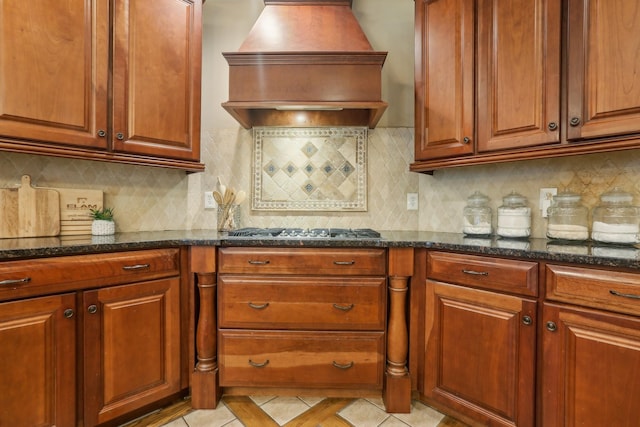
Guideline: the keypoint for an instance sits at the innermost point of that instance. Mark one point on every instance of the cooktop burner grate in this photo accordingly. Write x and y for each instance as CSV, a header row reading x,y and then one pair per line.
x,y
305,233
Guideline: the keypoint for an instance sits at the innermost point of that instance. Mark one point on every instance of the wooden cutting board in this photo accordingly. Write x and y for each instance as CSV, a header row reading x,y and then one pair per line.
x,y
29,211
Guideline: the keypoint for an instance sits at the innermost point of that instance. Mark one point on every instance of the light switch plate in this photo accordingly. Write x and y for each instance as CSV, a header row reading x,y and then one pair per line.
x,y
412,201
209,202
546,197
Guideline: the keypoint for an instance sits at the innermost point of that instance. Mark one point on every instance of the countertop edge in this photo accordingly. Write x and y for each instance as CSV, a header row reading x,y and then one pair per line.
x,y
532,249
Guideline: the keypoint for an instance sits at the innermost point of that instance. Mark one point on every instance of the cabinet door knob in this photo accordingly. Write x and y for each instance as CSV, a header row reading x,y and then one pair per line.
x,y
527,320
92,309
466,140
68,313
575,121
551,326
553,126
102,133
120,136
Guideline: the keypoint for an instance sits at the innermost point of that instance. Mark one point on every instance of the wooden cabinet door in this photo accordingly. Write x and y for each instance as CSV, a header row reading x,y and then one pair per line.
x,y
518,73
37,372
479,357
590,368
603,75
131,347
444,78
54,71
156,77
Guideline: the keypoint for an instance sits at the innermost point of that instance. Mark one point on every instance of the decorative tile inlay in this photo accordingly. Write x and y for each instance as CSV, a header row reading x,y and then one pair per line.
x,y
310,180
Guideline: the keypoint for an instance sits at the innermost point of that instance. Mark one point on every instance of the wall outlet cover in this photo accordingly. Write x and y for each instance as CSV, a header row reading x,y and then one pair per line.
x,y
546,197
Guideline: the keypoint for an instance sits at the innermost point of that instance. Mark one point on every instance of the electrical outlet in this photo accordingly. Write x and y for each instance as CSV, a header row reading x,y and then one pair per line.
x,y
546,197
209,202
412,201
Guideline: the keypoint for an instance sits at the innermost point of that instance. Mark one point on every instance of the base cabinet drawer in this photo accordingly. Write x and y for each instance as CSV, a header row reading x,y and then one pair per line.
x,y
321,303
301,359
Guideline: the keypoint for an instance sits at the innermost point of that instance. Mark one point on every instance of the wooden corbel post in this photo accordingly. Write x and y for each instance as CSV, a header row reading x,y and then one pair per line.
x,y
397,382
205,389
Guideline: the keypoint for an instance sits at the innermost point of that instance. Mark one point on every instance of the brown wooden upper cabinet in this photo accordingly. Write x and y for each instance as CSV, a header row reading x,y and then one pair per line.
x,y
103,80
491,84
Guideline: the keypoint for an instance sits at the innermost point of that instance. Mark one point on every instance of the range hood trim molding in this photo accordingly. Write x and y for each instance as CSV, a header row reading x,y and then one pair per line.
x,y
279,58
310,114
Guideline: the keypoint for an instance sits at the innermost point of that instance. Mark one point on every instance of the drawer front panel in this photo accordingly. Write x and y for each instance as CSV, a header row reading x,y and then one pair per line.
x,y
280,302
519,277
308,261
609,290
20,279
301,359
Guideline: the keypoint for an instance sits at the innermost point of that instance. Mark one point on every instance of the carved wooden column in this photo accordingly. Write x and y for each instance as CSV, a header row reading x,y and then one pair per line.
x,y
205,390
397,382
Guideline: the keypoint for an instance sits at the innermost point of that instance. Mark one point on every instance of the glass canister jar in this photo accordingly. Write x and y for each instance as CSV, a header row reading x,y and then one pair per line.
x,y
477,216
615,219
568,219
514,217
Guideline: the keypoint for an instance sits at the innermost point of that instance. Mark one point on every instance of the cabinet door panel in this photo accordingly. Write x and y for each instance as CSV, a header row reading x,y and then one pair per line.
x,y
518,73
132,347
37,373
53,72
603,68
479,355
156,77
592,363
444,78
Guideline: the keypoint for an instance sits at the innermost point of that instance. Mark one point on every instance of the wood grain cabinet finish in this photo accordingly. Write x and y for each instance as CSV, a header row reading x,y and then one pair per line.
x,y
603,79
550,78
506,98
38,369
480,349
111,321
115,81
302,317
131,346
590,369
590,347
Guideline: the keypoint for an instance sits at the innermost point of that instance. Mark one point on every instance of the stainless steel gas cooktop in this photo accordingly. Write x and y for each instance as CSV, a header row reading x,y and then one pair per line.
x,y
305,233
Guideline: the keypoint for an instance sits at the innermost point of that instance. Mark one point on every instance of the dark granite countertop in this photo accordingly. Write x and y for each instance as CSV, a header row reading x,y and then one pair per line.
x,y
534,249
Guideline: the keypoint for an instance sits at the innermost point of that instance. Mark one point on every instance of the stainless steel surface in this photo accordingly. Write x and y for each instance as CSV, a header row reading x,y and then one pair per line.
x,y
305,233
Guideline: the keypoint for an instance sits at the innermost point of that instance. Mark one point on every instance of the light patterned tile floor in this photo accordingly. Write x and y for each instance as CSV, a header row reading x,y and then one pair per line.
x,y
294,411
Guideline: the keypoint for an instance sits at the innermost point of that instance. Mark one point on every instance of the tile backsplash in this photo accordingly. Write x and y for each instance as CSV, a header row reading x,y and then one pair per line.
x,y
147,198
443,195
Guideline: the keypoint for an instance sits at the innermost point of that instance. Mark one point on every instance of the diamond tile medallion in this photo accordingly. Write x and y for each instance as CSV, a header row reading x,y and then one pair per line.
x,y
309,169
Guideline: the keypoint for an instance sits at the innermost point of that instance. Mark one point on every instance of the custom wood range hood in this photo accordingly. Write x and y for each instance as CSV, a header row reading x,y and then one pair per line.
x,y
306,63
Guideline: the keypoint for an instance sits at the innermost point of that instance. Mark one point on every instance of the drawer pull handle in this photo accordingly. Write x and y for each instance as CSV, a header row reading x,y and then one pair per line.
x,y
259,306
135,267
256,262
475,273
620,294
258,365
341,366
343,307
15,281
344,262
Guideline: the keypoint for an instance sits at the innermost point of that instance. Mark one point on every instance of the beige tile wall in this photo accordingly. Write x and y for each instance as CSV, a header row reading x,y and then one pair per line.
x,y
147,198
443,195
144,198
228,154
